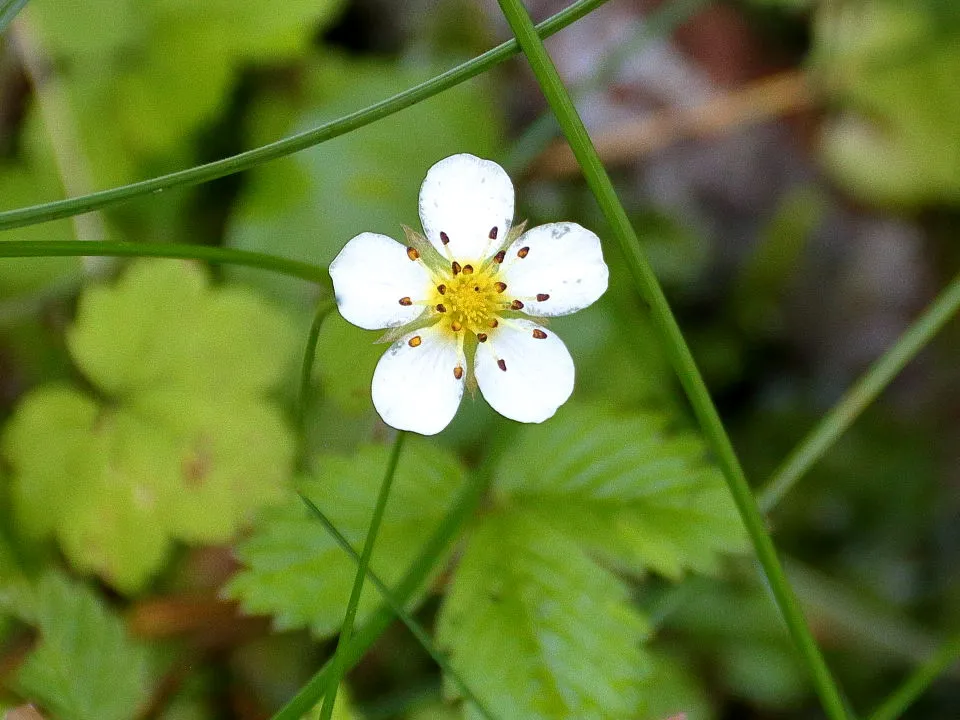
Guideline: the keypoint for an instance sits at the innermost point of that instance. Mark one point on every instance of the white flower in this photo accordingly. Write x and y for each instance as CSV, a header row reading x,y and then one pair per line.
x,y
464,293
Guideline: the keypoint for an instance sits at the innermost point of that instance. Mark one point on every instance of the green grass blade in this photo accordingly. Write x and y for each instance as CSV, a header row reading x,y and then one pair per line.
x,y
324,308
217,255
415,628
677,349
251,158
339,668
829,429
8,11
464,507
914,686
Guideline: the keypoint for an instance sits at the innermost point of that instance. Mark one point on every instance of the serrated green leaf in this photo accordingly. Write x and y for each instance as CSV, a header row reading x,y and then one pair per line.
x,y
630,490
308,205
188,448
85,666
538,628
164,325
296,572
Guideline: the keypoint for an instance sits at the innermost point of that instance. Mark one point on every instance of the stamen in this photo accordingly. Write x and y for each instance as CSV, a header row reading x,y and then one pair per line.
x,y
441,308
412,253
500,286
458,372
468,269
482,337
523,252
502,364
405,301
442,289
493,233
456,268
456,326
414,341
542,296
539,334
444,238
498,258
516,305
493,322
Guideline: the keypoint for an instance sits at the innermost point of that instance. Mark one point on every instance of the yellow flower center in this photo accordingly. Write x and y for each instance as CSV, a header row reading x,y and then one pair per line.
x,y
470,298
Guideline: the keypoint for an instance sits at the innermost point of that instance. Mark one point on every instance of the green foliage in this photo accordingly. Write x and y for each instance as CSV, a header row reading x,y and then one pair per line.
x,y
296,571
533,620
737,628
672,688
894,67
185,445
308,205
628,489
538,628
85,666
342,708
158,71
28,179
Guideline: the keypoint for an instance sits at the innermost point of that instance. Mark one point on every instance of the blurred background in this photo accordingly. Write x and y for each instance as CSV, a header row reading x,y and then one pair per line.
x,y
792,168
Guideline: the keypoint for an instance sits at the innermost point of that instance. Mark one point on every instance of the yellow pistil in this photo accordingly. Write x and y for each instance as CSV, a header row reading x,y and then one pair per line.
x,y
471,297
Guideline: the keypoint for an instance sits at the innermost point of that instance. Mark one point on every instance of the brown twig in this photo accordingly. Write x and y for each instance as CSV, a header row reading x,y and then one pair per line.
x,y
771,97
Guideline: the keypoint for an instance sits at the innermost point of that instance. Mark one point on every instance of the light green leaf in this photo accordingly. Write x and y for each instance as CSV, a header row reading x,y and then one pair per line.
x,y
164,325
626,487
538,629
85,666
346,360
672,688
188,447
310,204
342,708
117,486
296,572
893,67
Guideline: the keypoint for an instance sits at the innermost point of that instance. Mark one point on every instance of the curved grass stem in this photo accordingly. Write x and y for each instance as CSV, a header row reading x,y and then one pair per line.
x,y
218,255
680,356
914,686
339,668
251,158
832,425
441,538
413,626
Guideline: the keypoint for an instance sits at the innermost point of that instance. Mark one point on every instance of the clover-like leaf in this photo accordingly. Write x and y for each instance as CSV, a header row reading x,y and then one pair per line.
x,y
85,667
627,488
188,444
295,570
540,630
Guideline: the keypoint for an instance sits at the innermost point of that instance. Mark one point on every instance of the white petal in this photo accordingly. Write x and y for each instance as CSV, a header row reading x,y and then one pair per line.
x,y
371,275
414,388
564,261
539,374
465,198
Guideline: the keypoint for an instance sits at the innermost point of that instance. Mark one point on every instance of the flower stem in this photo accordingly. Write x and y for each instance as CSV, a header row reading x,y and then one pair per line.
x,y
324,308
445,533
340,656
677,349
227,256
415,628
8,11
830,427
251,158
894,706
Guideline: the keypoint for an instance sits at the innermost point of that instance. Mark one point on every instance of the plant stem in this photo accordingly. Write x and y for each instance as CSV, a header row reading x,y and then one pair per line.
x,y
677,349
893,707
324,308
831,426
441,538
8,11
227,256
415,628
251,158
340,656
